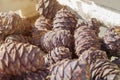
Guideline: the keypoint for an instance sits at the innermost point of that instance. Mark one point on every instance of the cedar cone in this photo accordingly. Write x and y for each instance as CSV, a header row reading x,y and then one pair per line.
x,y
65,20
19,58
117,62
48,8
41,26
92,23
54,39
18,38
84,39
69,70
112,41
103,69
91,55
57,54
37,75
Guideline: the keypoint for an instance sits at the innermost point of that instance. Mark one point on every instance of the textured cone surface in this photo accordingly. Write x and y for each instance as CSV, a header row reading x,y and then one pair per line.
x,y
18,58
48,8
54,39
65,20
103,69
1,39
117,62
84,39
91,55
112,41
92,23
37,75
69,70
43,23
12,23
57,54
18,38
41,26
4,77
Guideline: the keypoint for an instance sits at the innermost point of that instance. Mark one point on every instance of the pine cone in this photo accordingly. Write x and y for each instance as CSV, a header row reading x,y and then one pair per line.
x,y
18,58
92,23
18,38
54,39
69,70
103,69
84,39
57,54
4,77
112,41
12,23
43,23
117,62
91,55
48,8
38,75
41,26
65,20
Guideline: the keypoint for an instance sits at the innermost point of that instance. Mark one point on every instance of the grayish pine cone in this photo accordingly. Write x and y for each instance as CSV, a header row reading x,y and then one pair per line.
x,y
65,20
103,69
48,8
53,39
112,41
70,70
57,54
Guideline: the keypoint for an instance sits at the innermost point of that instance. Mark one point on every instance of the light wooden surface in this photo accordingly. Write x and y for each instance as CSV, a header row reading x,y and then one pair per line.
x,y
26,7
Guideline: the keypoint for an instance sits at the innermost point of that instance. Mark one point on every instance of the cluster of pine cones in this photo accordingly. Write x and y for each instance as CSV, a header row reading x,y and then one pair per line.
x,y
59,46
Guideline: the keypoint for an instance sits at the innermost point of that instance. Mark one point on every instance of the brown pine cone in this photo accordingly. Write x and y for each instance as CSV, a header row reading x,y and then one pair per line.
x,y
91,55
65,20
41,26
18,38
117,62
19,58
12,23
54,39
70,70
48,8
85,38
37,75
112,41
92,23
103,69
57,54
43,23
4,77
